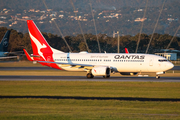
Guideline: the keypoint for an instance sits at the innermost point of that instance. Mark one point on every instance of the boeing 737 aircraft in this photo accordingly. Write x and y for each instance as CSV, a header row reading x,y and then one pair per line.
x,y
95,64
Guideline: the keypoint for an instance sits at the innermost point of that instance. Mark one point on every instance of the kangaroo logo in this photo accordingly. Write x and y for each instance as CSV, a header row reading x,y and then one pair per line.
x,y
38,45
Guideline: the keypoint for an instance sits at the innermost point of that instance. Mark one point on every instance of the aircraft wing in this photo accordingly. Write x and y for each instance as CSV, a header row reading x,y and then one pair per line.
x,y
75,65
70,64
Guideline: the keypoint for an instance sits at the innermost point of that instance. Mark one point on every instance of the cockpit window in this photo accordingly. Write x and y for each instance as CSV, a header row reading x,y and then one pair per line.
x,y
162,60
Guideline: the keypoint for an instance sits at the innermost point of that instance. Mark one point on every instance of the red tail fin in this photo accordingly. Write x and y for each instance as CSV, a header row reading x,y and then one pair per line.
x,y
38,42
40,46
126,50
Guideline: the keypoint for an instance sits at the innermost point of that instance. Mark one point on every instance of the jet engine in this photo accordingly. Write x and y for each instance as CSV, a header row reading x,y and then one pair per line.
x,y
101,71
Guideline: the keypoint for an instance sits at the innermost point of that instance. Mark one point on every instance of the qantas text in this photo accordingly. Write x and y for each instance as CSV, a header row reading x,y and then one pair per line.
x,y
129,57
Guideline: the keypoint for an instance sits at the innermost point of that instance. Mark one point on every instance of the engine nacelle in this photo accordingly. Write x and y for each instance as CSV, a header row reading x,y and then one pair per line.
x,y
101,71
127,73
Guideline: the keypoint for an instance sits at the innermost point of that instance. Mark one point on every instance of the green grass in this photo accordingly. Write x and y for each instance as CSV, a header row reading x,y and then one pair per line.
x,y
91,89
75,107
86,109
19,64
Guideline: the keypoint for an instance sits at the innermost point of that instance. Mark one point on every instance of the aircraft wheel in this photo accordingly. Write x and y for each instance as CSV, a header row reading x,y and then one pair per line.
x,y
157,76
89,75
107,76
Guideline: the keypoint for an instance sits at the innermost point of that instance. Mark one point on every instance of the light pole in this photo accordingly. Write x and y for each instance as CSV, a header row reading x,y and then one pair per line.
x,y
118,42
118,47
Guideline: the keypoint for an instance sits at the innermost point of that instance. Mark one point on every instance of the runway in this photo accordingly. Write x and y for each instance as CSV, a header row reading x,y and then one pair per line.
x,y
83,78
80,78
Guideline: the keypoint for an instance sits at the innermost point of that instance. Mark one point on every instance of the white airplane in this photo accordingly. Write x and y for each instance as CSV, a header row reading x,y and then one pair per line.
x,y
95,64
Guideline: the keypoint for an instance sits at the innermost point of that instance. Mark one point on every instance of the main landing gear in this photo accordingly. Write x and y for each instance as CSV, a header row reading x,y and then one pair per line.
x,y
89,75
107,76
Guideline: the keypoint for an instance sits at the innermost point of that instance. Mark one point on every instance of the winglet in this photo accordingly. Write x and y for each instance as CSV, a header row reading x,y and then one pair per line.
x,y
27,55
126,50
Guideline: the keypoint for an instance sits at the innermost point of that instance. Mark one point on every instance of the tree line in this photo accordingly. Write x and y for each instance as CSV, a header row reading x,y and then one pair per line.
x,y
18,41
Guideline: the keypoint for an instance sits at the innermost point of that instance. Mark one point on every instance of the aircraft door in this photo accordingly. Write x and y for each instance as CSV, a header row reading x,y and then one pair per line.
x,y
151,62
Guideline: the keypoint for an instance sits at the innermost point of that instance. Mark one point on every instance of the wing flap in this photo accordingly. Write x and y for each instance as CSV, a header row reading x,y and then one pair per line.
x,y
88,67
65,65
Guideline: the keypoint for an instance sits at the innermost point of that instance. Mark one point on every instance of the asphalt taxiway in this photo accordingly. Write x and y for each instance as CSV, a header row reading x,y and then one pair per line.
x,y
83,78
80,78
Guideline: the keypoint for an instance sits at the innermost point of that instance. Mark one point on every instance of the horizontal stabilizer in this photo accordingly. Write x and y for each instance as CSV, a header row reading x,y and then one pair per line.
x,y
27,55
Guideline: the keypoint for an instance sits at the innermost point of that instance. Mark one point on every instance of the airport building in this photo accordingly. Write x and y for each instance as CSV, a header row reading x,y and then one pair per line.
x,y
169,56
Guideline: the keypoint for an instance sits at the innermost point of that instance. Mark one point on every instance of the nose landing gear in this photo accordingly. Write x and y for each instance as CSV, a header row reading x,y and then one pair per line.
x,y
157,76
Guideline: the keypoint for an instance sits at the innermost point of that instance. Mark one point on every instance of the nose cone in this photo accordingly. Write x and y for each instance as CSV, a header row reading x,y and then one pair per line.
x,y
170,65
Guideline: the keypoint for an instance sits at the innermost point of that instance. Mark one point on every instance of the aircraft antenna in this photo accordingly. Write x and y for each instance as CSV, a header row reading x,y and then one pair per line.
x,y
155,26
172,39
80,26
95,27
141,27
59,29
